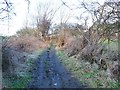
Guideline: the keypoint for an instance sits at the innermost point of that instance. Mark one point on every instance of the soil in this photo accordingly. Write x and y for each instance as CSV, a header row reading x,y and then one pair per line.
x,y
49,72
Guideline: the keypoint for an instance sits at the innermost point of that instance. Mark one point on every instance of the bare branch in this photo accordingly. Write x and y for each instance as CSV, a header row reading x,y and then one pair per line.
x,y
8,8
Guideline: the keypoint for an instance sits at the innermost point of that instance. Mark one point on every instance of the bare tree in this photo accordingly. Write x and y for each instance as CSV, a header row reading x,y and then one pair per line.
x,y
44,18
105,20
6,10
28,1
103,16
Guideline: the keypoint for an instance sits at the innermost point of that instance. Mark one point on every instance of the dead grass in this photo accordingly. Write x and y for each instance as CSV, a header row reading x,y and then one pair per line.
x,y
16,64
70,41
26,43
15,54
102,68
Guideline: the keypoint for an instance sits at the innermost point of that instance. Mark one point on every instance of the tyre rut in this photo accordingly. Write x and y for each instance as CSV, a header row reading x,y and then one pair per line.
x,y
50,73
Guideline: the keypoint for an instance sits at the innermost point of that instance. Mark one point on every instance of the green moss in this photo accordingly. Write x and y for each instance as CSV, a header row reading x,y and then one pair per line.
x,y
46,68
17,82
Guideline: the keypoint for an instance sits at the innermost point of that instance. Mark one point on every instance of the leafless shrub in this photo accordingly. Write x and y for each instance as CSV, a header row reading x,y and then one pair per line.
x,y
26,43
12,61
115,71
73,46
70,41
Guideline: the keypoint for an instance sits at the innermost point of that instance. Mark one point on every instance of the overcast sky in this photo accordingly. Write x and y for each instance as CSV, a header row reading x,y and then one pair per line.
x,y
20,6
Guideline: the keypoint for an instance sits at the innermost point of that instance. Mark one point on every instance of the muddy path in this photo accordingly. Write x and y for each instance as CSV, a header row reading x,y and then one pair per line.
x,y
50,73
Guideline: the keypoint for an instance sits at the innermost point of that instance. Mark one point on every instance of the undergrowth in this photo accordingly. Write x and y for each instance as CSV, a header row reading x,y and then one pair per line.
x,y
87,74
25,77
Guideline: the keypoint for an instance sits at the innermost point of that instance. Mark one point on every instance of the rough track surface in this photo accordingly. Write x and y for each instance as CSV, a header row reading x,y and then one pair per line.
x,y
50,73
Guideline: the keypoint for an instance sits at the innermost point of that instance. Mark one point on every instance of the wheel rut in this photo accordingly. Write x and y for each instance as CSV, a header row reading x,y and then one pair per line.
x,y
50,73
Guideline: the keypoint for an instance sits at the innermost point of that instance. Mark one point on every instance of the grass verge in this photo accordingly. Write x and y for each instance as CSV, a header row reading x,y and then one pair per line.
x,y
87,74
22,80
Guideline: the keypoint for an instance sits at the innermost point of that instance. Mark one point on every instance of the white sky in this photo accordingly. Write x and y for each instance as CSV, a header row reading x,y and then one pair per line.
x,y
20,6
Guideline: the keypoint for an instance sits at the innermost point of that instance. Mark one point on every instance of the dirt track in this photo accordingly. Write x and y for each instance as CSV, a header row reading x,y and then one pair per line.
x,y
50,73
